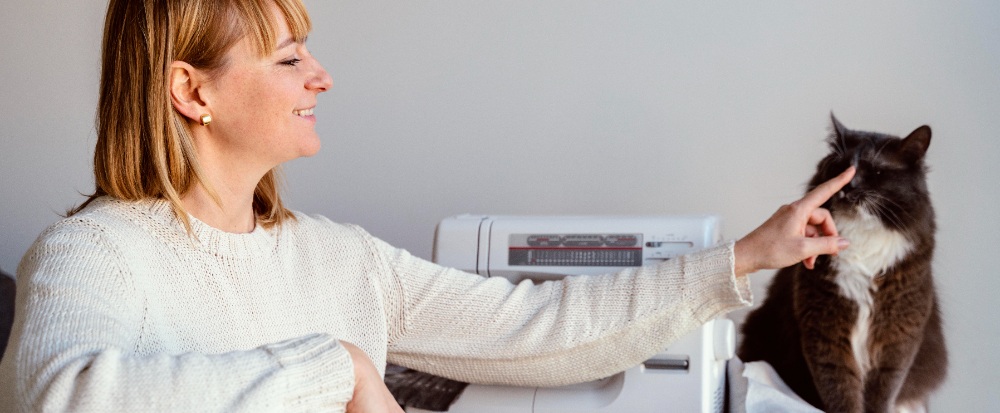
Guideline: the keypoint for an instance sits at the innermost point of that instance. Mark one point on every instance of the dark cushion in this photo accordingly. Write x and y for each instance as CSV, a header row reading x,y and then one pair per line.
x,y
7,290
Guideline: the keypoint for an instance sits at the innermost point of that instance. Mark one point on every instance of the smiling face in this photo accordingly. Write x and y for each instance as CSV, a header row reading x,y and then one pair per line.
x,y
262,106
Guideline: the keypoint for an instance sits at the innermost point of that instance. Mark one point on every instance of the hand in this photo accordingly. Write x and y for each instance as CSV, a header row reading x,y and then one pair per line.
x,y
799,231
370,393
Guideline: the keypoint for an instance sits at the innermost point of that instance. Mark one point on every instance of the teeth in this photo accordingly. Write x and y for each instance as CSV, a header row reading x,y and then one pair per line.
x,y
303,112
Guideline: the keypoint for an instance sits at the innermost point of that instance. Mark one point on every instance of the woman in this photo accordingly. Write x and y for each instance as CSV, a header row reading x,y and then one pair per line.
x,y
183,284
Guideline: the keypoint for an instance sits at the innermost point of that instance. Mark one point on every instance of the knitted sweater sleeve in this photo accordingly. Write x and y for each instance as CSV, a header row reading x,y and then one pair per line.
x,y
78,318
487,330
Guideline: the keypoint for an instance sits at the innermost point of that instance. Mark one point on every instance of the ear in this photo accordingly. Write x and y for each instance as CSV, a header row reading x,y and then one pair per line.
x,y
838,129
837,133
915,145
185,84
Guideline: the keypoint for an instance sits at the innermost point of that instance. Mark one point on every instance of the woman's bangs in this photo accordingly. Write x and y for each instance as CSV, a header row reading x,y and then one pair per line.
x,y
297,18
263,30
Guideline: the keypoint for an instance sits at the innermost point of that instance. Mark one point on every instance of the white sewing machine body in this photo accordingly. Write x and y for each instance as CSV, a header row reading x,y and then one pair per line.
x,y
687,376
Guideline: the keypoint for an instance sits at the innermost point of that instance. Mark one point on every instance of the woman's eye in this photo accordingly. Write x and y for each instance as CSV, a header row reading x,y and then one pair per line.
x,y
291,62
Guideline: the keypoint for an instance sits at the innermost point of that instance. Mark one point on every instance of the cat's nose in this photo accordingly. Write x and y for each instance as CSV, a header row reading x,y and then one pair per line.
x,y
847,190
856,181
848,187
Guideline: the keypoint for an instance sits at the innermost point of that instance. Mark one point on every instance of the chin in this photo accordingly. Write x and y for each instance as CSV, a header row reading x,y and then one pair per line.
x,y
311,148
312,151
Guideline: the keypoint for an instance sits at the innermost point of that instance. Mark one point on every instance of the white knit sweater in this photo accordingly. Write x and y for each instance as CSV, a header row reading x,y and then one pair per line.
x,y
118,310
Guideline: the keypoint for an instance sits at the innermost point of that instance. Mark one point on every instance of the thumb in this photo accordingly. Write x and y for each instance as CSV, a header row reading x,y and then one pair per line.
x,y
822,246
825,245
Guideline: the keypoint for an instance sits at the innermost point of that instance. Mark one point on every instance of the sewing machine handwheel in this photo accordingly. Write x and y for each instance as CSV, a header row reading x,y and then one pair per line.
x,y
725,339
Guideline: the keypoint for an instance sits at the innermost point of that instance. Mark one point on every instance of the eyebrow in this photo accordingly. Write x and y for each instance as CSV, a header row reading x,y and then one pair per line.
x,y
287,42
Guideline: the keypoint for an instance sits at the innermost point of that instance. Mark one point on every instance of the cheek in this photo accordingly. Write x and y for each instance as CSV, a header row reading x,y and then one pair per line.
x,y
276,103
254,94
262,110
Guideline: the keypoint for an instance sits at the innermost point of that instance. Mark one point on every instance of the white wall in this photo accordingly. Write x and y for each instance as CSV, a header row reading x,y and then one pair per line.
x,y
630,107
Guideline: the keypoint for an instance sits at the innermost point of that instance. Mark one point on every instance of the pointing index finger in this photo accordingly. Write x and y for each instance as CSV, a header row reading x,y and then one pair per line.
x,y
822,192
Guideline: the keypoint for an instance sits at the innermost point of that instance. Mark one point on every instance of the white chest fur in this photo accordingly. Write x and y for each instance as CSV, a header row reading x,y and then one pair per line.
x,y
874,248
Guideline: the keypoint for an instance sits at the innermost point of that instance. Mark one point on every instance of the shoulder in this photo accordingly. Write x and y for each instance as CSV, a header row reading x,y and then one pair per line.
x,y
112,217
341,237
315,225
82,242
319,225
95,222
104,228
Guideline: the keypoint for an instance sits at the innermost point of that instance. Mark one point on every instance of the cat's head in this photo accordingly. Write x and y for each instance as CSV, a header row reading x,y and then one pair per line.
x,y
890,182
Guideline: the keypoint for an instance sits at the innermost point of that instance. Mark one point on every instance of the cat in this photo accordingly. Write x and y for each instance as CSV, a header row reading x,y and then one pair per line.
x,y
861,332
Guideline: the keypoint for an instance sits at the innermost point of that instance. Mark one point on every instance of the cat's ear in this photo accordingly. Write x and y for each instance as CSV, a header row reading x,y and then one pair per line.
x,y
837,133
915,145
838,128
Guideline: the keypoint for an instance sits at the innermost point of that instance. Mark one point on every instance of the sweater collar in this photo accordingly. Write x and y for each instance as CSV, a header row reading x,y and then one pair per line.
x,y
215,241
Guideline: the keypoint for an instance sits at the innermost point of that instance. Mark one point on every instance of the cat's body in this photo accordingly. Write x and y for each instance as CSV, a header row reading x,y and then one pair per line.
x,y
861,332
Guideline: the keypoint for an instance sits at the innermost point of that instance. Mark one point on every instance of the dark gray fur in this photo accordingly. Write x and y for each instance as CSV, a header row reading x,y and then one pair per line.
x,y
803,328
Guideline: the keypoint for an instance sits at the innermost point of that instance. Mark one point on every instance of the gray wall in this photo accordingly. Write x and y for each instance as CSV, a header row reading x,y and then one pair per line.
x,y
557,107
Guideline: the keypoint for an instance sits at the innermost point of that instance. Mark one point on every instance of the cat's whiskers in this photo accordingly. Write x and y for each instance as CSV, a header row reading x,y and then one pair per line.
x,y
883,206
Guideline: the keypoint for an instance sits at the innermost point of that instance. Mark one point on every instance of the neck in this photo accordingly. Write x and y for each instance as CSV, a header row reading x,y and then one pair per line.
x,y
233,178
233,212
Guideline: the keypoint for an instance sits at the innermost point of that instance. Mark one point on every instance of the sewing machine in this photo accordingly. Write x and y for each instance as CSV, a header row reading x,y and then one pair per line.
x,y
688,376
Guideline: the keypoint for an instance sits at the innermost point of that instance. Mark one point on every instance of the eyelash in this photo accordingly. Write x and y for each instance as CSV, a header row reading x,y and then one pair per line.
x,y
291,62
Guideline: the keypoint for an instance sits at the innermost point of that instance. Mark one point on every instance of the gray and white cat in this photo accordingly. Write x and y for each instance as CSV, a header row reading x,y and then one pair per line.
x,y
861,332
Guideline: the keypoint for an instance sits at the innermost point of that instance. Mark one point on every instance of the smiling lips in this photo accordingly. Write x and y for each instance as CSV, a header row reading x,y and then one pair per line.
x,y
303,112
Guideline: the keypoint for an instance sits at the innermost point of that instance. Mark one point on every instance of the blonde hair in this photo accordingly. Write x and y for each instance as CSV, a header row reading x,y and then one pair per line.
x,y
144,148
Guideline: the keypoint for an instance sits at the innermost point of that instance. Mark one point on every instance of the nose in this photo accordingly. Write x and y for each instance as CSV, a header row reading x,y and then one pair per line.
x,y
849,187
321,80
856,181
